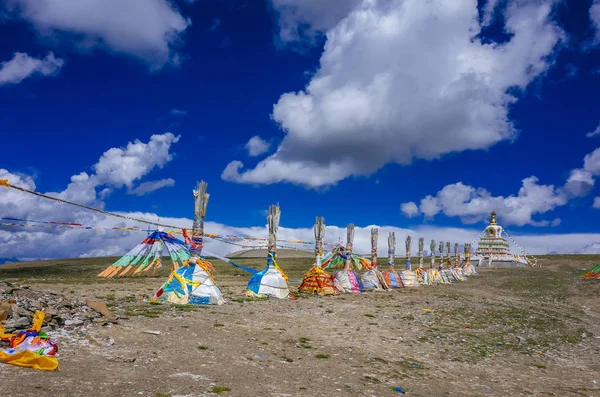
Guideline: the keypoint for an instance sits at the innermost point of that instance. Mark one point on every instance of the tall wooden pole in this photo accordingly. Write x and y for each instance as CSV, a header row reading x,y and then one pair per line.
x,y
441,255
374,238
448,254
273,224
421,244
200,204
456,254
432,250
408,243
349,241
391,249
319,236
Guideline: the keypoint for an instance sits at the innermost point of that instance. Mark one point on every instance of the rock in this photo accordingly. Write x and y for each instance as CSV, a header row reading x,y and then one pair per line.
x,y
50,311
21,323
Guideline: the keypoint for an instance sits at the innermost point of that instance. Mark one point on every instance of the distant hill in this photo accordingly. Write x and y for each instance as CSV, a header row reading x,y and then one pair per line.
x,y
262,253
4,261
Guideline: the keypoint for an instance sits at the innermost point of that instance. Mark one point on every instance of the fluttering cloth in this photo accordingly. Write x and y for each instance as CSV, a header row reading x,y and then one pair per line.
x,y
30,348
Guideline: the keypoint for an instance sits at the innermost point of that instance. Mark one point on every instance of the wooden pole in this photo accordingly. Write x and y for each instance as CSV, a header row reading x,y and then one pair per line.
x,y
432,249
421,244
319,236
392,249
408,243
349,241
374,238
441,247
200,204
273,224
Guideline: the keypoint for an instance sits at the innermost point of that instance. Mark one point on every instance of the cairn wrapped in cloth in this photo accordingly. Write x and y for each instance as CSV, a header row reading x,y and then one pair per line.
x,y
317,281
422,275
433,273
193,282
373,278
409,278
391,276
30,348
272,281
459,273
445,274
347,280
467,266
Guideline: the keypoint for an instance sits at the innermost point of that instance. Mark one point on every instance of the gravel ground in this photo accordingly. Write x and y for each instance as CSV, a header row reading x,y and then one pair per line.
x,y
505,332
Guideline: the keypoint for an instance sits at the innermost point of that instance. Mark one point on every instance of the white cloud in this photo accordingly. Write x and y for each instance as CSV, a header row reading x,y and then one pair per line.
x,y
120,167
474,205
440,90
148,187
257,146
23,66
596,203
591,162
580,183
178,112
147,29
594,133
137,159
595,17
409,209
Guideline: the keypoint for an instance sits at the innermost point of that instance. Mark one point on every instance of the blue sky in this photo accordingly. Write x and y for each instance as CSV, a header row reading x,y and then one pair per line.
x,y
382,129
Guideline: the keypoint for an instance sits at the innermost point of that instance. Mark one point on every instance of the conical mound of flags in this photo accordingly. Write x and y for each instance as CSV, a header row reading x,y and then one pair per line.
x,y
317,281
147,255
272,281
592,274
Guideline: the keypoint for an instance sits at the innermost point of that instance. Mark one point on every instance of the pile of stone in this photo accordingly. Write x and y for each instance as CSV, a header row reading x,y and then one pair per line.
x,y
19,303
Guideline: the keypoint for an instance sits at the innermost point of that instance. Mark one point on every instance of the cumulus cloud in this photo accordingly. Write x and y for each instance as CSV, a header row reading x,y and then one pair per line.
x,y
474,205
409,209
148,187
146,29
441,89
22,66
580,182
594,133
591,162
120,167
257,146
82,188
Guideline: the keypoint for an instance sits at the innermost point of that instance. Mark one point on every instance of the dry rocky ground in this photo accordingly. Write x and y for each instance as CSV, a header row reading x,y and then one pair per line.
x,y
526,331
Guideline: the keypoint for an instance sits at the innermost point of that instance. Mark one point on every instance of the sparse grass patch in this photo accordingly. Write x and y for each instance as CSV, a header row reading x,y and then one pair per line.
x,y
219,325
163,395
202,347
322,356
369,315
220,389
